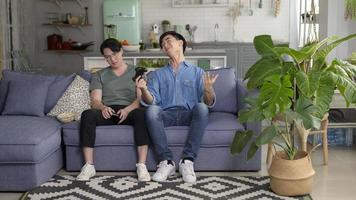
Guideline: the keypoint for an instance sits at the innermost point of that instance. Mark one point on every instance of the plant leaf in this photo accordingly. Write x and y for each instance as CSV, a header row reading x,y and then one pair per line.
x,y
307,83
267,135
262,69
275,95
306,112
303,83
296,55
264,46
252,151
323,52
324,94
241,139
252,113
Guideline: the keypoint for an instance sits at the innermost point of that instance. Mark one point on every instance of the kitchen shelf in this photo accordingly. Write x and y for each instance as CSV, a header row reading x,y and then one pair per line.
x,y
67,25
59,3
68,51
199,3
59,26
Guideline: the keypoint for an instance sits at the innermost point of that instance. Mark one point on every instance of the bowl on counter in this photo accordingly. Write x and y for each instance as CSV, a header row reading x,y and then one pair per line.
x,y
131,47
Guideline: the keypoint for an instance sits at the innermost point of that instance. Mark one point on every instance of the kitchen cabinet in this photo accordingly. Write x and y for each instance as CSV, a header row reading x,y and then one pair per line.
x,y
207,59
240,56
199,3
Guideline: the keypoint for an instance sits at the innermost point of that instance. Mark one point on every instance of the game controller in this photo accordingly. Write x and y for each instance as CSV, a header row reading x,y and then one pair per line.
x,y
140,71
115,115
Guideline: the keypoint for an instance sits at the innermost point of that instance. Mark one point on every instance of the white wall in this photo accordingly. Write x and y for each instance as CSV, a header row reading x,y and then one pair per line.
x,y
262,21
154,11
333,23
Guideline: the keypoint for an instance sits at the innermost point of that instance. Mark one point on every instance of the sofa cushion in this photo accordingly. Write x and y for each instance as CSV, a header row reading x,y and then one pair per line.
x,y
28,139
9,75
219,132
26,98
74,100
56,90
86,75
225,90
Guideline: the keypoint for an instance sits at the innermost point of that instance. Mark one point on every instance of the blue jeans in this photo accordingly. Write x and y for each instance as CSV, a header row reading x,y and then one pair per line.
x,y
196,119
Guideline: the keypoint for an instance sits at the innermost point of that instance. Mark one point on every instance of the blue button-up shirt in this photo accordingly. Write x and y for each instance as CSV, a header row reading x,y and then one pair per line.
x,y
171,89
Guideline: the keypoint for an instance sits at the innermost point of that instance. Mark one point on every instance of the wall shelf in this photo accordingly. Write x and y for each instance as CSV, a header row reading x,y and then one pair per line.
x,y
67,25
60,25
67,51
199,3
59,3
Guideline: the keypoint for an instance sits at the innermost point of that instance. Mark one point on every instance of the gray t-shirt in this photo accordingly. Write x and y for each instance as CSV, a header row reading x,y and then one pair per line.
x,y
116,90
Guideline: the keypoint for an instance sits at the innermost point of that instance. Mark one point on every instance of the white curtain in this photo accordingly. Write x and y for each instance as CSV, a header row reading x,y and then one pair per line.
x,y
17,32
3,38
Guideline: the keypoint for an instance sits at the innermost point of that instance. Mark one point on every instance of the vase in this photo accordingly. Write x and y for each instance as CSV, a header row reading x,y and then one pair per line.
x,y
166,27
291,177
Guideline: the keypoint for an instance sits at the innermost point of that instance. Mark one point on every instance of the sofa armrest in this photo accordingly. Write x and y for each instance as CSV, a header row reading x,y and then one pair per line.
x,y
242,93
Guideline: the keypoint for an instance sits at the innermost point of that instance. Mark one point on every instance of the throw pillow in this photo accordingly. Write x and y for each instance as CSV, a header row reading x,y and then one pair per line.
x,y
26,98
9,75
225,90
56,90
74,100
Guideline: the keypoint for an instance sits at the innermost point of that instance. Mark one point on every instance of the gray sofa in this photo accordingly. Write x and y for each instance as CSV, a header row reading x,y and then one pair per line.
x,y
34,146
30,143
115,148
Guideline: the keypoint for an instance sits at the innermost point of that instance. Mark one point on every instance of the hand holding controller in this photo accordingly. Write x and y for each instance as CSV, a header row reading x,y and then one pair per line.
x,y
140,71
115,115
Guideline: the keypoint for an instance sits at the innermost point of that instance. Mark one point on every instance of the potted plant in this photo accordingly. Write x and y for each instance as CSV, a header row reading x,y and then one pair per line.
x,y
296,88
166,25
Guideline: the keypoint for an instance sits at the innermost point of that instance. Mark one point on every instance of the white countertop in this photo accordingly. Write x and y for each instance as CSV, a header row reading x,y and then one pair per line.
x,y
193,52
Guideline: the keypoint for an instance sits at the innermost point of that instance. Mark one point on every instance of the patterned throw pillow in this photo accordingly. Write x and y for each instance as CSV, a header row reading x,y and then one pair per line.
x,y
74,100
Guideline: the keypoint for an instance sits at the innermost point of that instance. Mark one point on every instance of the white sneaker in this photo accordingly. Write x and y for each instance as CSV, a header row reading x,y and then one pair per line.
x,y
86,172
186,169
142,172
164,170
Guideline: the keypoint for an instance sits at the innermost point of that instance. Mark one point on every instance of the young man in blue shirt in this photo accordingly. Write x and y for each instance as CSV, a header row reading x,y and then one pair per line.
x,y
178,94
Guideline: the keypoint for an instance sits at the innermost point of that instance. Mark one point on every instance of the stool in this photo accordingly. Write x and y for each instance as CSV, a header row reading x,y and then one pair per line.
x,y
303,140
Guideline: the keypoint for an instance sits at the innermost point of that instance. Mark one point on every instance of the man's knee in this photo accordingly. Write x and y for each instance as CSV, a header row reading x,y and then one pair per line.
x,y
89,114
201,109
153,111
138,112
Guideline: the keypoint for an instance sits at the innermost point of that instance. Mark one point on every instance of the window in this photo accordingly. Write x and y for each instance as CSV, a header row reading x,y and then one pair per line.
x,y
308,29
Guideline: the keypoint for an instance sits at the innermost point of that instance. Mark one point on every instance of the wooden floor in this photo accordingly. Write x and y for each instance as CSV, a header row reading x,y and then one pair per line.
x,y
335,181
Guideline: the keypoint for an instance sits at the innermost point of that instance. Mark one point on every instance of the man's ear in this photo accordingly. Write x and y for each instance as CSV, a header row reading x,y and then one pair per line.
x,y
181,43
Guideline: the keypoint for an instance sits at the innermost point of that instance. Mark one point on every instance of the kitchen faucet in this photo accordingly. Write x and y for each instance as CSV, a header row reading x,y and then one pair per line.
x,y
216,29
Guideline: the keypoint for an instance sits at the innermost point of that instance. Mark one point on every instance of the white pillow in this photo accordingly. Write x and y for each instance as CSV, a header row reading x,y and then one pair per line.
x,y
74,100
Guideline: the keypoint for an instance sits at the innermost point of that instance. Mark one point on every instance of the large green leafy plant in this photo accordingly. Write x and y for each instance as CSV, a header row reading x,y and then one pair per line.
x,y
295,87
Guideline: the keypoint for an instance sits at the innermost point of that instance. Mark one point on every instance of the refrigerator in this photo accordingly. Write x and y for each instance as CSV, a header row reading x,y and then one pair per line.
x,y
122,20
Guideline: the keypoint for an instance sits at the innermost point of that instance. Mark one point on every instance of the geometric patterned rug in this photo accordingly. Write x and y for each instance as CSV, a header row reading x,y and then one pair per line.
x,y
127,187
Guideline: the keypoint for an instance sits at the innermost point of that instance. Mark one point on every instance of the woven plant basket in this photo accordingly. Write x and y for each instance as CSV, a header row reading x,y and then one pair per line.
x,y
291,177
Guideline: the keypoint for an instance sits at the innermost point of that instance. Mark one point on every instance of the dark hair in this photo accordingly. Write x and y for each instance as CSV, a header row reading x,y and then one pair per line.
x,y
175,35
111,43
